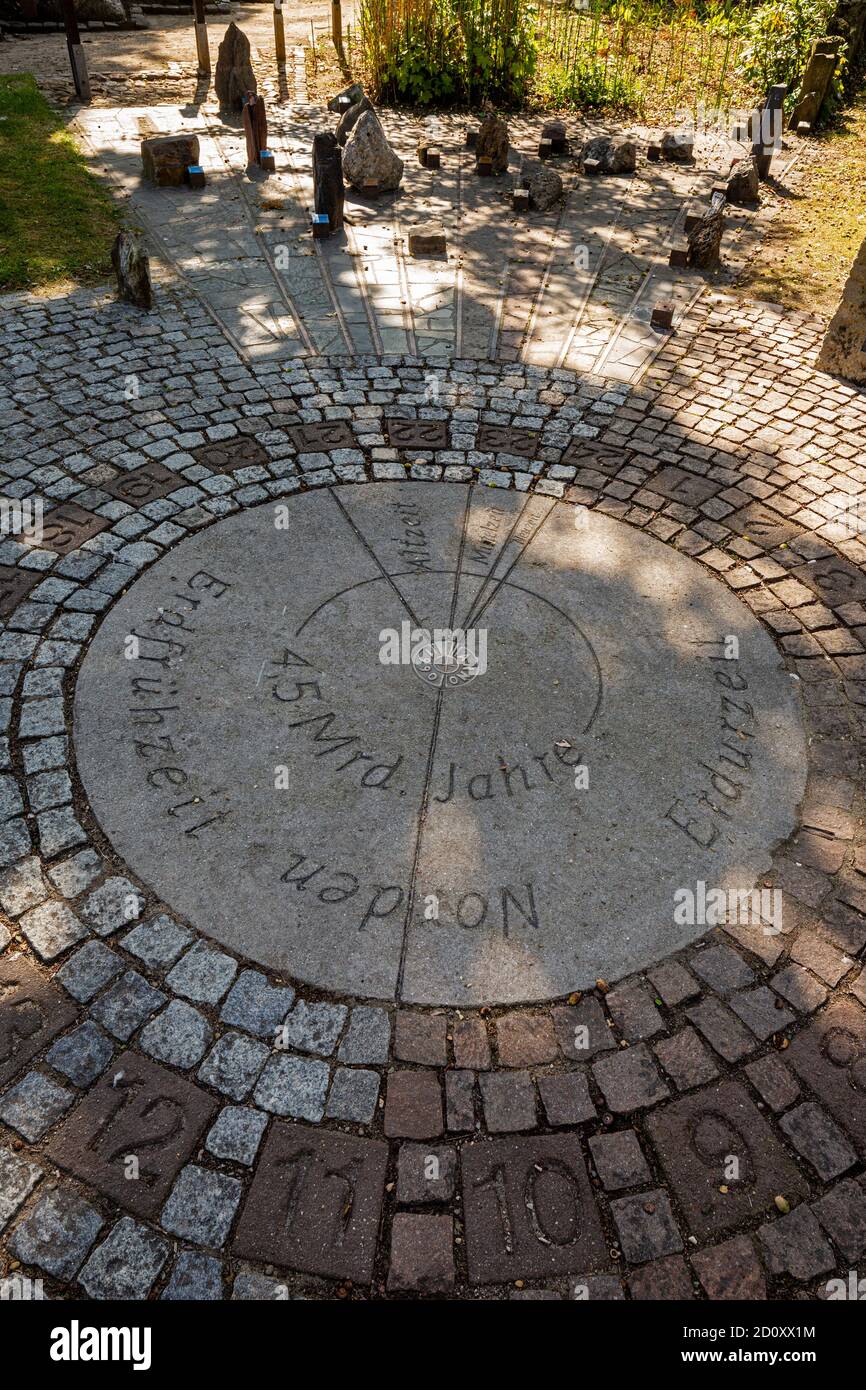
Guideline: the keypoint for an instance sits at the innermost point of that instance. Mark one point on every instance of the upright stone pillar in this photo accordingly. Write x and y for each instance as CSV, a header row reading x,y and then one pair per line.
x,y
816,83
843,352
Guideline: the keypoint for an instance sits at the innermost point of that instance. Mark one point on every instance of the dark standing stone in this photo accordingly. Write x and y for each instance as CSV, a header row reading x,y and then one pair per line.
x,y
328,187
492,142
816,82
705,241
132,268
350,118
743,182
349,96
234,76
255,127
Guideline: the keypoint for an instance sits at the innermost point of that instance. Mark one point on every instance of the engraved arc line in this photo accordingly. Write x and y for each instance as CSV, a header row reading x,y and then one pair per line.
x,y
509,584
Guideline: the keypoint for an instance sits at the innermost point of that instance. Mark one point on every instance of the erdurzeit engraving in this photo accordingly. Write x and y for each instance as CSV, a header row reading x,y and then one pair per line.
x,y
257,753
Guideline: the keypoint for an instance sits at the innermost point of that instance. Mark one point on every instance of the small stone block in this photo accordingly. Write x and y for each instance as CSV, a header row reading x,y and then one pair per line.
x,y
654,153
484,166
427,240
422,155
471,138
545,149
320,224
591,166
434,159
679,254
662,314
520,200
370,188
195,176
803,128
267,162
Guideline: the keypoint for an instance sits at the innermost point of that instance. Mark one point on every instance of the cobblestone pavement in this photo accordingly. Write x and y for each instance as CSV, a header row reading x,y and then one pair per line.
x,y
305,1170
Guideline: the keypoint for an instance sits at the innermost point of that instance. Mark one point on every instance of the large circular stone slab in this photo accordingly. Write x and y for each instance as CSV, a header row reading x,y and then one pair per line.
x,y
436,830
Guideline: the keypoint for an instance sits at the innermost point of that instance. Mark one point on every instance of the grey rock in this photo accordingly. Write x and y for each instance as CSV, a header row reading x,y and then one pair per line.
x,y
354,1095
313,1027
544,183
51,929
368,1036
159,942
257,1288
614,154
678,146
74,875
256,1005
132,269
114,904
368,156
127,1004
203,974
22,886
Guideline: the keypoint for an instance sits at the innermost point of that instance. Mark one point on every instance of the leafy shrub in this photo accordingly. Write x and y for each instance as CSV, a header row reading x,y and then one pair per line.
x,y
778,38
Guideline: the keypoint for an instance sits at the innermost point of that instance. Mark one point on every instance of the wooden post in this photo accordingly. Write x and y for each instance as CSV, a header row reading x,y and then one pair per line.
x,y
201,43
77,59
279,33
337,23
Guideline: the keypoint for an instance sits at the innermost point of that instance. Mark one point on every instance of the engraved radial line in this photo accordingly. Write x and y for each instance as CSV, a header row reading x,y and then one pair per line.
x,y
518,557
374,557
428,771
499,554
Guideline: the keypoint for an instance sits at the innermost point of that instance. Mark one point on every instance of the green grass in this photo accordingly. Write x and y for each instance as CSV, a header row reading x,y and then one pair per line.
x,y
56,221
